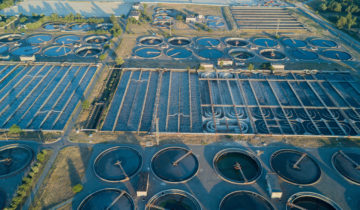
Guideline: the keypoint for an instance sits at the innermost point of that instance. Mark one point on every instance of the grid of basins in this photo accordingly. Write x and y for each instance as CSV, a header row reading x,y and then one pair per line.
x,y
265,18
41,96
291,104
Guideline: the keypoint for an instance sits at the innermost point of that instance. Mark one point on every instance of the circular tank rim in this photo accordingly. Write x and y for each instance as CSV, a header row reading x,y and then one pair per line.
x,y
172,182
87,38
207,37
172,48
101,154
53,23
303,40
35,46
233,38
241,50
345,177
11,34
105,189
256,38
179,37
307,50
70,25
147,47
53,46
172,191
297,195
311,40
224,151
333,59
245,191
147,37
10,146
294,183
76,51
64,35
41,43
267,50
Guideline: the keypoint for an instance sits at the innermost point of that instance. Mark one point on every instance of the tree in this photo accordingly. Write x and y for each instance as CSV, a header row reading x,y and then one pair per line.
x,y
337,7
251,67
119,61
14,129
77,188
221,64
102,57
85,104
341,22
323,7
23,19
350,20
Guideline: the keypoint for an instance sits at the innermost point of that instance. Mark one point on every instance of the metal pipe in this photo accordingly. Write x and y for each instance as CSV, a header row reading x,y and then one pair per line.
x,y
176,162
296,165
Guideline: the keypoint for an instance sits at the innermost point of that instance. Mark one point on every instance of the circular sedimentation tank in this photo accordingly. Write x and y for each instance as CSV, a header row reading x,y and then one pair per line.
x,y
179,41
14,158
108,199
310,201
295,167
104,26
148,52
173,199
236,42
241,54
265,42
208,42
179,53
88,51
175,164
215,24
210,53
151,40
245,200
293,43
336,55
96,39
54,26
272,54
80,27
10,37
237,166
118,164
68,39
39,39
304,54
4,49
26,51
323,43
55,51
348,165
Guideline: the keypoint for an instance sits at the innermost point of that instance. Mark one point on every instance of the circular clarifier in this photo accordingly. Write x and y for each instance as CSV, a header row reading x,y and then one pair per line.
x,y
14,158
55,51
323,43
210,53
96,39
208,42
81,27
348,165
117,164
148,52
39,39
310,201
236,42
53,26
241,54
273,54
245,200
88,51
67,39
175,164
25,51
304,54
293,43
173,199
4,49
336,55
108,199
179,41
151,40
265,42
10,37
104,26
179,53
237,166
295,167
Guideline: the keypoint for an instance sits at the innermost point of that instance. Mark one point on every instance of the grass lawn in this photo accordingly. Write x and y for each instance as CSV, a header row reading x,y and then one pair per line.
x,y
67,171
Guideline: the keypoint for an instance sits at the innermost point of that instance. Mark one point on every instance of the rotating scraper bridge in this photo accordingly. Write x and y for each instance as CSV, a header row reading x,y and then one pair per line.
x,y
325,104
